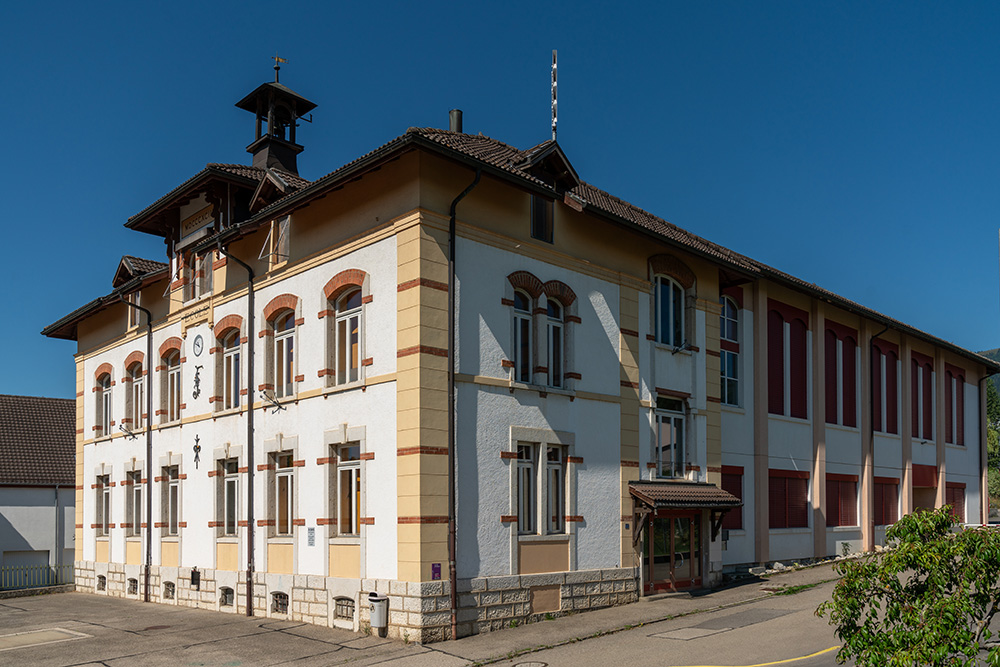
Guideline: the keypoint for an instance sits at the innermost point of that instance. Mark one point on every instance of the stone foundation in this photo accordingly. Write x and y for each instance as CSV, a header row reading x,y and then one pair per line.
x,y
418,612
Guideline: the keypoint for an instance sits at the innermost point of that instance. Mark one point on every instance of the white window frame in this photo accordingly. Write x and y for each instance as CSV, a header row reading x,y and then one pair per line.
x,y
284,356
171,500
350,470
730,315
670,422
284,474
521,348
555,490
527,492
133,507
556,343
231,371
730,361
106,405
133,316
347,364
230,480
137,396
103,505
172,387
541,499
672,332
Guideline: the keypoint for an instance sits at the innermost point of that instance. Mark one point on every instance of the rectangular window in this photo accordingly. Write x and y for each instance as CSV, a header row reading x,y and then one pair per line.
x,y
349,489
922,397
954,495
134,314
886,501
732,482
670,454
171,499
730,377
103,505
106,407
954,405
133,505
555,331
841,375
231,373
284,361
526,492
522,337
137,394
554,491
788,499
283,493
787,364
541,219
349,347
669,312
841,500
229,478
885,392
172,388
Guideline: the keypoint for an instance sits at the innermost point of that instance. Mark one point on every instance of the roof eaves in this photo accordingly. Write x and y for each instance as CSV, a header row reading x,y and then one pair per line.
x,y
98,304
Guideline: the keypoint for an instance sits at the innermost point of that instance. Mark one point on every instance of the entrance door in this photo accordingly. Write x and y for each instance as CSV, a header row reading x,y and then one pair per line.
x,y
672,551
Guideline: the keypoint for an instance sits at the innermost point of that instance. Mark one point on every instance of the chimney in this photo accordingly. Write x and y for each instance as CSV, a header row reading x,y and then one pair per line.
x,y
455,120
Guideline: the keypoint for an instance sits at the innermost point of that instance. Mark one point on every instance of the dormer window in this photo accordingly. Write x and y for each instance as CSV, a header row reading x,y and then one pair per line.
x,y
541,218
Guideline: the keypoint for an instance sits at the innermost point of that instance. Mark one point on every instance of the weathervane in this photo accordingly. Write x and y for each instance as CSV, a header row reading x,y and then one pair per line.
x,y
277,65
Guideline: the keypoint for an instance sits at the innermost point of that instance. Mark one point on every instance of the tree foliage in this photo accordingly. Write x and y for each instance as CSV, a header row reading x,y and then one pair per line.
x,y
928,599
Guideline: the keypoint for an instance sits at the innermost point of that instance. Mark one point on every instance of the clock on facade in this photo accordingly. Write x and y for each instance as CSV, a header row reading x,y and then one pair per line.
x,y
199,344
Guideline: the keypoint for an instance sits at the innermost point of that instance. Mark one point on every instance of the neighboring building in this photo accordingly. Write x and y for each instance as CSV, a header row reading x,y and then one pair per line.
x,y
37,479
615,378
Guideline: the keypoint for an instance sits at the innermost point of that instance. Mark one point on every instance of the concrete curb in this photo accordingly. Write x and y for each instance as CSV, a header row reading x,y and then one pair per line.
x,y
41,590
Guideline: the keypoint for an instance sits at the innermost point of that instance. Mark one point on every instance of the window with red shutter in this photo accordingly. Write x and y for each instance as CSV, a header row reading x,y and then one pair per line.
x,y
831,377
788,499
777,493
733,483
886,501
850,388
928,402
841,500
798,385
891,395
954,495
949,381
915,398
775,363
876,389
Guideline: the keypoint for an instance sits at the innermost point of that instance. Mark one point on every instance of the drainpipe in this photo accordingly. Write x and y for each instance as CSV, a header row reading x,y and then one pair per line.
x,y
149,445
452,416
250,457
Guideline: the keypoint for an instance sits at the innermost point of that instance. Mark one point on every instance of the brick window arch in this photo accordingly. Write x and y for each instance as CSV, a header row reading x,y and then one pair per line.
x,y
229,372
282,318
543,320
346,297
524,280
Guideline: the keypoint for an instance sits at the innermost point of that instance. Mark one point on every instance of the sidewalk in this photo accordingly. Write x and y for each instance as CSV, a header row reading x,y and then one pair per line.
x,y
521,641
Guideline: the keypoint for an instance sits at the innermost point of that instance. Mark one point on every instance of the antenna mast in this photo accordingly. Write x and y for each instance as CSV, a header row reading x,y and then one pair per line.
x,y
555,94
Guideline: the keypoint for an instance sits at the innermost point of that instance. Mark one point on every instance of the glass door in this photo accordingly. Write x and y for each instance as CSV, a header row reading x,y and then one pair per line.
x,y
672,551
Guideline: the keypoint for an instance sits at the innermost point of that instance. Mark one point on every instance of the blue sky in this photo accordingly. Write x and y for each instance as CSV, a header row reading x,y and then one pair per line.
x,y
852,144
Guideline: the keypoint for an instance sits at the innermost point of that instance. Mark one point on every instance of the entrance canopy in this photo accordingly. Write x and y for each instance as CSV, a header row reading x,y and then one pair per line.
x,y
650,496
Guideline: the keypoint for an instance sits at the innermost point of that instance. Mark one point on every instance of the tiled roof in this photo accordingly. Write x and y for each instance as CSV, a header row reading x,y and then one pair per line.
x,y
140,266
243,170
37,440
294,180
674,494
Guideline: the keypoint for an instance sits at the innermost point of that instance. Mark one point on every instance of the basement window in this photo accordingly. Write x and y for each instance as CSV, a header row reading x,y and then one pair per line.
x,y
169,590
279,603
344,609
102,582
133,586
227,597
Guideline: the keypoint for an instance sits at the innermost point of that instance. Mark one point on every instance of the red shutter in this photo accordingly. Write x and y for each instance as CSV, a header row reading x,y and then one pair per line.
x,y
849,503
879,505
928,403
797,361
960,410
891,398
891,509
731,483
775,363
850,383
914,399
798,503
876,363
777,488
832,503
948,416
955,496
831,377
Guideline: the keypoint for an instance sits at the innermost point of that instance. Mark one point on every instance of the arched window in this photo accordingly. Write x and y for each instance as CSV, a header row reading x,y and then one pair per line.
x,y
136,396
284,354
522,337
555,343
729,356
104,404
231,370
172,387
669,311
347,332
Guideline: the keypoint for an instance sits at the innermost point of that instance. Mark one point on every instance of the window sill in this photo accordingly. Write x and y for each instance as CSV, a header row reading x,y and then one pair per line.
x,y
543,389
790,420
845,429
347,386
962,448
228,411
664,347
345,539
133,538
281,539
791,531
176,422
554,537
844,529
919,441
735,409
885,434
170,538
228,539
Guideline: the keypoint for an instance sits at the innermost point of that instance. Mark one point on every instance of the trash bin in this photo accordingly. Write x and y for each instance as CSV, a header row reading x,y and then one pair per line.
x,y
379,606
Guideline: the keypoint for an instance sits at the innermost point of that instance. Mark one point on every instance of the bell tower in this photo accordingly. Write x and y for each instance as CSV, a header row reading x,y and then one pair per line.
x,y
278,109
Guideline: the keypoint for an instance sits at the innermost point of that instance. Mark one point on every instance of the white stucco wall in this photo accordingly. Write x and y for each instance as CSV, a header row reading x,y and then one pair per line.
x,y
34,519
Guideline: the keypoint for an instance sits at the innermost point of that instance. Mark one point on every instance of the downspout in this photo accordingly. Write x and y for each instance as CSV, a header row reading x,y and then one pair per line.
x,y
871,423
149,445
250,456
452,416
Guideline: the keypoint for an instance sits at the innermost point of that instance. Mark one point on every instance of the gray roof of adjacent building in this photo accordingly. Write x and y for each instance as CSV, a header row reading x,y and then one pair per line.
x,y
37,441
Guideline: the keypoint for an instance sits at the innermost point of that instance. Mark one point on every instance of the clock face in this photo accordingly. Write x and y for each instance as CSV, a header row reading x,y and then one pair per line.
x,y
199,343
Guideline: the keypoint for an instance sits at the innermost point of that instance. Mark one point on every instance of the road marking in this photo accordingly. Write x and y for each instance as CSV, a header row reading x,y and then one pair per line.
x,y
776,662
38,637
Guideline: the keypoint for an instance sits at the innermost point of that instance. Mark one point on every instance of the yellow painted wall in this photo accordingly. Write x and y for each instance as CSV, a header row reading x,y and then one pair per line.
x,y
227,556
345,560
535,557
133,552
169,554
279,558
103,552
